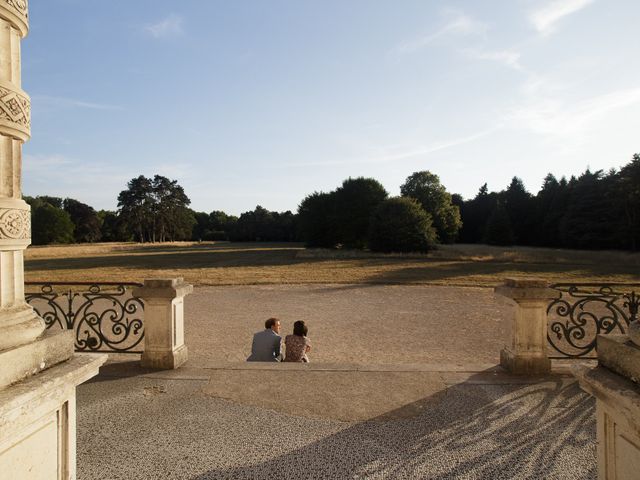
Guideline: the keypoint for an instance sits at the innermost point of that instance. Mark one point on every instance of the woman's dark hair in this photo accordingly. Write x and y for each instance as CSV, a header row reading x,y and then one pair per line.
x,y
300,329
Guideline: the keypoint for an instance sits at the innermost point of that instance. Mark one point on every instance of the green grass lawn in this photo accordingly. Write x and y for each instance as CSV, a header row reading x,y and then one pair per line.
x,y
267,263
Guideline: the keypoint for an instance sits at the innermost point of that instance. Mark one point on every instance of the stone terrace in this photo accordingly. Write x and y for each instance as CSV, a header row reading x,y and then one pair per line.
x,y
377,402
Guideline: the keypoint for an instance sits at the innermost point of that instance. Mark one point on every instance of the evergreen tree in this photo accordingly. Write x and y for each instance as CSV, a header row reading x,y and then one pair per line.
x,y
498,229
519,207
591,220
629,202
475,214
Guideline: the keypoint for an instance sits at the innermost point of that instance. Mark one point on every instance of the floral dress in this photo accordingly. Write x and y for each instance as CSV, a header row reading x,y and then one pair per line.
x,y
296,348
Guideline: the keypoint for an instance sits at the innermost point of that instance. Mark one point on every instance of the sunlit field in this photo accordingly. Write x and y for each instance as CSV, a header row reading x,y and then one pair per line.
x,y
209,263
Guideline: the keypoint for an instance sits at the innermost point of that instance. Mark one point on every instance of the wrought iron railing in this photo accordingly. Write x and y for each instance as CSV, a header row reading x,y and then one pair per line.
x,y
582,311
105,316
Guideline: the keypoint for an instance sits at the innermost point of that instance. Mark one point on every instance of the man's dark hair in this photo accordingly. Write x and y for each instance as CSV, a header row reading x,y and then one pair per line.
x,y
300,329
270,323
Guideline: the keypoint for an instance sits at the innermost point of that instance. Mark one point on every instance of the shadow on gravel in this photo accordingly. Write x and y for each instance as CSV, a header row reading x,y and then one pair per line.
x,y
121,369
470,430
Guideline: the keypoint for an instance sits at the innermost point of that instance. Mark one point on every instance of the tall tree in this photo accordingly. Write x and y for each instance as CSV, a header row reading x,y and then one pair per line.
x,y
519,206
400,224
135,206
156,209
475,213
355,201
87,225
112,227
591,220
498,230
426,188
50,225
629,202
316,225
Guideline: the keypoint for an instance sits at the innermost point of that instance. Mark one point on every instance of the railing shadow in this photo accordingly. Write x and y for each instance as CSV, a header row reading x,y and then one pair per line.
x,y
542,430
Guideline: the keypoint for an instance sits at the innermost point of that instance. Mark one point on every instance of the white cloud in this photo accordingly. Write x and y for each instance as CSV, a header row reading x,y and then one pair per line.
x,y
62,102
460,24
395,153
546,17
169,26
509,58
34,163
550,116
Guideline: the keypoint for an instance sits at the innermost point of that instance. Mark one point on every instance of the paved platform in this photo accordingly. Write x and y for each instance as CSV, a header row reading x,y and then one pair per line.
x,y
333,421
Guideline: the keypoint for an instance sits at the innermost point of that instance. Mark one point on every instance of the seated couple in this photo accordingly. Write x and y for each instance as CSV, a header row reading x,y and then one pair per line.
x,y
267,344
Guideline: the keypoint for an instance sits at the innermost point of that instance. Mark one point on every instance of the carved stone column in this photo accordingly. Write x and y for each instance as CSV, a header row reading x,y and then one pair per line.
x,y
18,322
38,370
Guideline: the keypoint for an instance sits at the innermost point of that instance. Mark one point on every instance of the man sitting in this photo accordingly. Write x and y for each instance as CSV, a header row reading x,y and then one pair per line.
x,y
267,343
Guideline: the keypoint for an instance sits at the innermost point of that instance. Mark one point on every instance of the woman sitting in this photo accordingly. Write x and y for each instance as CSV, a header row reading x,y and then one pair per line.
x,y
297,345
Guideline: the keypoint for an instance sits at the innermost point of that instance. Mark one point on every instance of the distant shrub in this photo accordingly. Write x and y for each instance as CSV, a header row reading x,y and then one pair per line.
x,y
400,224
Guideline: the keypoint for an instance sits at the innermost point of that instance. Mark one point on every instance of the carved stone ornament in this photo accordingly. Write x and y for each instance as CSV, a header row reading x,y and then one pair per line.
x,y
15,224
15,113
17,13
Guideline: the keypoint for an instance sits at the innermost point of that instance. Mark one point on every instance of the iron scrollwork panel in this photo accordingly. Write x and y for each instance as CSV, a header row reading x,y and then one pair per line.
x,y
582,312
105,317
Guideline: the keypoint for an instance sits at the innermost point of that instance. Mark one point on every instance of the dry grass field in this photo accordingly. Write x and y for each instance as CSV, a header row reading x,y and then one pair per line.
x,y
223,263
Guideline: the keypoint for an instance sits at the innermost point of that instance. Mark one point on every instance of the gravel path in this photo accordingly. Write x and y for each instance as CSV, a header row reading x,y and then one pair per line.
x,y
356,324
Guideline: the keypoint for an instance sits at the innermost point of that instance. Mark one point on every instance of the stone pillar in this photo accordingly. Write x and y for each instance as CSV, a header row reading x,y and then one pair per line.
x,y
38,371
614,383
527,354
164,346
18,322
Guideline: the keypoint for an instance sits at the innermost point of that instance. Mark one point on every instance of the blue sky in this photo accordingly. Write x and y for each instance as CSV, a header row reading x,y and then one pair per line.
x,y
263,102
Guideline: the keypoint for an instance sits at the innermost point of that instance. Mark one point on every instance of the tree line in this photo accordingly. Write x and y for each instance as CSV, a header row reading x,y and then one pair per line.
x,y
151,210
594,210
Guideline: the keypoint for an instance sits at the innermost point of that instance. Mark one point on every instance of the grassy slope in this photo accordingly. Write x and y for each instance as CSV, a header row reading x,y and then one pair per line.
x,y
253,263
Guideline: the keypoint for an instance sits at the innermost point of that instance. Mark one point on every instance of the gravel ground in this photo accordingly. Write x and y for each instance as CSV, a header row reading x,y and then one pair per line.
x,y
145,428
385,396
356,324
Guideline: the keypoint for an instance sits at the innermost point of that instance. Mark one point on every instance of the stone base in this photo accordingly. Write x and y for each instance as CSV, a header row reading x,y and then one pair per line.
x,y
19,326
619,354
165,360
618,419
520,364
38,424
53,347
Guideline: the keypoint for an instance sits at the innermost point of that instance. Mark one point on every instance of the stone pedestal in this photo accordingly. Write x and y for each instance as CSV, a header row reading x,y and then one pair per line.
x,y
164,346
617,407
527,352
38,421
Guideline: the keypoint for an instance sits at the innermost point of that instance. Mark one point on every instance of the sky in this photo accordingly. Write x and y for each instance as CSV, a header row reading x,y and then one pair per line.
x,y
256,102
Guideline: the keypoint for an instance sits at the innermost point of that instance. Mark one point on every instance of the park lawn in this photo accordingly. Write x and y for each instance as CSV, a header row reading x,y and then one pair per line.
x,y
209,263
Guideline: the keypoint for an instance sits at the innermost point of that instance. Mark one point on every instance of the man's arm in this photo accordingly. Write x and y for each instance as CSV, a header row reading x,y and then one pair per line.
x,y
277,347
